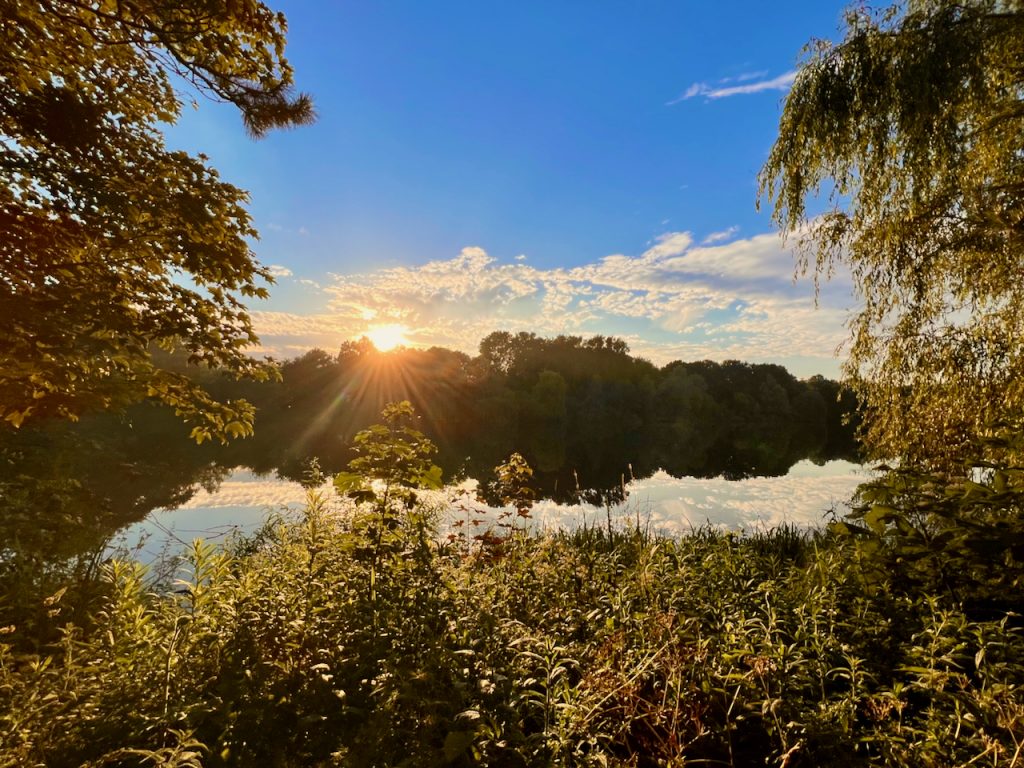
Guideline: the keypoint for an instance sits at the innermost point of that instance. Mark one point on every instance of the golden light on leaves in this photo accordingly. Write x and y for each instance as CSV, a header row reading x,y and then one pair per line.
x,y
387,337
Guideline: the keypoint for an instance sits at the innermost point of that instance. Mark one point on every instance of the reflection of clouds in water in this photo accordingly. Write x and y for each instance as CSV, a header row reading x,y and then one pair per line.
x,y
667,504
241,503
803,497
245,489
677,505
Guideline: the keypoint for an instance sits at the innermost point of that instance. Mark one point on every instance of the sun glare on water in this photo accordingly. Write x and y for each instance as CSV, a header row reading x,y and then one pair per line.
x,y
387,337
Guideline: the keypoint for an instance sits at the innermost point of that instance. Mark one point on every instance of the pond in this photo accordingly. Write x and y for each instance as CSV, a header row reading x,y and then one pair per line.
x,y
805,496
111,479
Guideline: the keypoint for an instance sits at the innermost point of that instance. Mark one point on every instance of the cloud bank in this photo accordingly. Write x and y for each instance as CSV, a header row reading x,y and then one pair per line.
x,y
675,300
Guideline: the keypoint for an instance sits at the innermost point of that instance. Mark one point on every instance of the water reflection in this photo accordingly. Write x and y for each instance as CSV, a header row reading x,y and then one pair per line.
x,y
67,489
805,496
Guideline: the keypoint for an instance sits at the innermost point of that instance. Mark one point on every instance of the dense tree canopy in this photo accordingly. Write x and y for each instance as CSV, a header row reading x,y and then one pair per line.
x,y
110,244
583,413
914,123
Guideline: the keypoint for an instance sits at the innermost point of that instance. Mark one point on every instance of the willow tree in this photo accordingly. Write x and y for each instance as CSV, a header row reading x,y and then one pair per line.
x,y
111,245
900,157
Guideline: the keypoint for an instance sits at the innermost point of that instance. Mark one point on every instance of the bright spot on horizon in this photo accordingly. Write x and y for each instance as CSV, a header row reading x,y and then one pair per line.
x,y
387,337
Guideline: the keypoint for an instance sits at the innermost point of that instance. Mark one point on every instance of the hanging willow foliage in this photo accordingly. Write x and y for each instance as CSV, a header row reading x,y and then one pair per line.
x,y
911,132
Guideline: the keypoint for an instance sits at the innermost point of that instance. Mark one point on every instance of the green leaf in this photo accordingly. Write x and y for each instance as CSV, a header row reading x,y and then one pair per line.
x,y
877,517
431,478
346,482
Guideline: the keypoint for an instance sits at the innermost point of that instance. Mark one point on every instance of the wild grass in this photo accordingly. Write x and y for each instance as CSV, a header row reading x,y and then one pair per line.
x,y
328,641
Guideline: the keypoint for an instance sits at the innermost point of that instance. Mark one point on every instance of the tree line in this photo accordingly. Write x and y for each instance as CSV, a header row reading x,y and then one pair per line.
x,y
584,412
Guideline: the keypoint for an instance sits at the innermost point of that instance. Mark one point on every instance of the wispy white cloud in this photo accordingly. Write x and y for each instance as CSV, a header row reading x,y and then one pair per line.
x,y
669,244
721,89
747,76
276,270
275,226
675,300
718,237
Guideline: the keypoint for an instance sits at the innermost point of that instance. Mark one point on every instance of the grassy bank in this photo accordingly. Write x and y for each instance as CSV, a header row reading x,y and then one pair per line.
x,y
360,640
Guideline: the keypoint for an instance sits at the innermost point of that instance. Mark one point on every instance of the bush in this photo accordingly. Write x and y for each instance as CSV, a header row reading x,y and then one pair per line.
x,y
357,636
576,648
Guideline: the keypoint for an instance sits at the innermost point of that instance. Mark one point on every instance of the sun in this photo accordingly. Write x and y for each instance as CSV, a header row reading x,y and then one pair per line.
x,y
387,337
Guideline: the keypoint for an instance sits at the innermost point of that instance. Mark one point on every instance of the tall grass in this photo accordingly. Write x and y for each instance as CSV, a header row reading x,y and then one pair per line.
x,y
312,645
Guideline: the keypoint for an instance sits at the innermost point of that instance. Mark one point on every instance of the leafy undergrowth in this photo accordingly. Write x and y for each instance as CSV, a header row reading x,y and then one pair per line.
x,y
360,640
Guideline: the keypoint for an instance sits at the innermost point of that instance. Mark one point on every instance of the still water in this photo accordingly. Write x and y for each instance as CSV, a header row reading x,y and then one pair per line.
x,y
806,496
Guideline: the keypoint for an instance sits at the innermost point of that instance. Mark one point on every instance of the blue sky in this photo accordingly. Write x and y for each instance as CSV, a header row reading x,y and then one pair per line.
x,y
569,167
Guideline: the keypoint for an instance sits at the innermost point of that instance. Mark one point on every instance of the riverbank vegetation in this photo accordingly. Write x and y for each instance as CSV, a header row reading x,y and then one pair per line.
x,y
355,634
329,641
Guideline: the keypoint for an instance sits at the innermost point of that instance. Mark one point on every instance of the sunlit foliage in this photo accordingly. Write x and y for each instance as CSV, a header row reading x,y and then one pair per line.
x,y
358,635
593,648
109,242
913,126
